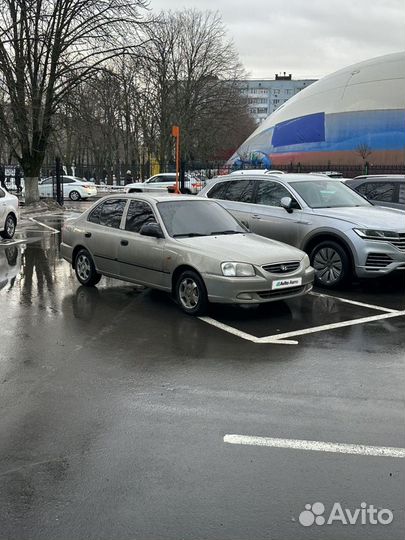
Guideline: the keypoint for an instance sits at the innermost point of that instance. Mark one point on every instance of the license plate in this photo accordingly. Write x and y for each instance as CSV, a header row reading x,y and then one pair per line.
x,y
285,283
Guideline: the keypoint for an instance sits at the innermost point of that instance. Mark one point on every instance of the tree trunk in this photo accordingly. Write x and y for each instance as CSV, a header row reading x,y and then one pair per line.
x,y
31,189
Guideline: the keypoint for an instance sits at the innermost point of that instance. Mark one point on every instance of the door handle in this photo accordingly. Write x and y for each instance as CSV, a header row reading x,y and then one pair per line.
x,y
256,216
124,242
87,234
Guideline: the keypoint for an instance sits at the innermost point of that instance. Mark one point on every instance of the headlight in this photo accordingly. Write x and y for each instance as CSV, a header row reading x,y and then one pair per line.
x,y
235,269
373,234
305,261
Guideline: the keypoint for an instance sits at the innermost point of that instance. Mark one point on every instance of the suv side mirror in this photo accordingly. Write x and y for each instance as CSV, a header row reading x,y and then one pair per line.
x,y
286,203
152,229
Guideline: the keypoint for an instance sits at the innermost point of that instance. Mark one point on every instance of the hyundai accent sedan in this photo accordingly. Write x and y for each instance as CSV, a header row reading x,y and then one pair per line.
x,y
194,249
341,231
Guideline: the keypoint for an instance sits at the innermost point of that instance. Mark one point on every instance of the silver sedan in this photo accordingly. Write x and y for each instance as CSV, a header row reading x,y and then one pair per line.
x,y
192,248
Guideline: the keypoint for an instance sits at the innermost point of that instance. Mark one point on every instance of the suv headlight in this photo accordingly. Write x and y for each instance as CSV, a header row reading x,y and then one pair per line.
x,y
235,269
373,234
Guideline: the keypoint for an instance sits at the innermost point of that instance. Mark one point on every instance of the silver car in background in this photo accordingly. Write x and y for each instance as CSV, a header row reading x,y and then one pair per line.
x,y
340,230
382,189
190,247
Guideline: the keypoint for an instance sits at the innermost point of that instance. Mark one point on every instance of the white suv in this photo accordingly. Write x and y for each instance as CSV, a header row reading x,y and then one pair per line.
x,y
8,214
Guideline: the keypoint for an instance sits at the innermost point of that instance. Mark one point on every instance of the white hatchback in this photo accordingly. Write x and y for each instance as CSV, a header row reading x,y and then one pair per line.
x,y
74,188
8,214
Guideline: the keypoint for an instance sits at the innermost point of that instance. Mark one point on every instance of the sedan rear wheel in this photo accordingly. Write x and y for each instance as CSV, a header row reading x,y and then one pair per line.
x,y
191,293
331,264
9,227
74,195
85,270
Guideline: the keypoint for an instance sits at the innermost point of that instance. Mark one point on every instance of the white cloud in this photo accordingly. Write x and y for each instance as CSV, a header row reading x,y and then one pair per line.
x,y
306,38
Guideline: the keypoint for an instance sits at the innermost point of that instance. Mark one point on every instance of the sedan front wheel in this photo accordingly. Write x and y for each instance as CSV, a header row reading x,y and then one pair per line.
x,y
191,294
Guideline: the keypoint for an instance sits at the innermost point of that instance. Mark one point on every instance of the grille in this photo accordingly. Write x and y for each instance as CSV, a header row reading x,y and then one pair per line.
x,y
378,260
281,268
283,292
400,243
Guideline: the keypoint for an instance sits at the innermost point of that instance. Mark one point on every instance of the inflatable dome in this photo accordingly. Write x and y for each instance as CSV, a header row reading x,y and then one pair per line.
x,y
353,114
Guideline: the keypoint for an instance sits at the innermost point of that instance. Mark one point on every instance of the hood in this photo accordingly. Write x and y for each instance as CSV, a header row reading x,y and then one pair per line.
x,y
371,217
249,248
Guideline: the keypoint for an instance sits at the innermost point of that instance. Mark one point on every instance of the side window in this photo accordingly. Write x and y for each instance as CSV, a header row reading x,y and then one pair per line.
x,y
2,194
401,196
167,178
218,191
378,191
239,190
154,179
94,215
271,193
68,180
47,182
139,213
108,213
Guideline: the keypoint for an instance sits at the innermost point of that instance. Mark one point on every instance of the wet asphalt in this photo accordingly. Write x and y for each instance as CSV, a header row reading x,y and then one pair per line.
x,y
114,406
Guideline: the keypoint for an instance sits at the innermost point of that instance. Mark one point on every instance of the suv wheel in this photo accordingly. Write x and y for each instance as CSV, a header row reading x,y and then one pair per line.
x,y
331,264
9,227
191,294
85,270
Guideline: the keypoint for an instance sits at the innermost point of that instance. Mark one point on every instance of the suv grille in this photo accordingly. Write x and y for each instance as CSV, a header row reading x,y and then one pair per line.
x,y
281,268
400,243
378,260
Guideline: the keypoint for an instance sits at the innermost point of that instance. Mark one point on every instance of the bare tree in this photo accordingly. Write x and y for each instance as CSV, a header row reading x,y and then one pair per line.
x,y
47,48
364,150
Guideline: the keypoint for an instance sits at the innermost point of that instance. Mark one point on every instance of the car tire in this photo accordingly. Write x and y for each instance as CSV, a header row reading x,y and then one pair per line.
x,y
191,294
74,195
85,269
9,227
331,263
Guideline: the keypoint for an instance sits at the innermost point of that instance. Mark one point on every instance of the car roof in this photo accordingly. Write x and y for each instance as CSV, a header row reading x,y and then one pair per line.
x,y
393,177
154,197
285,177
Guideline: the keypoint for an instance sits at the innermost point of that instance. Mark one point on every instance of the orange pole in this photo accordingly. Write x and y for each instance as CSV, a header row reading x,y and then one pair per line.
x,y
176,134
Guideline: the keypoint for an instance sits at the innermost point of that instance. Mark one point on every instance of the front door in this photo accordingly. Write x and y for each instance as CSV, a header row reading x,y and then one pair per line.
x,y
140,257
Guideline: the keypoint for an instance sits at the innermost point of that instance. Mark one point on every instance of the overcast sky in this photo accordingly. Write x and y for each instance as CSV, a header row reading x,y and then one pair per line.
x,y
308,38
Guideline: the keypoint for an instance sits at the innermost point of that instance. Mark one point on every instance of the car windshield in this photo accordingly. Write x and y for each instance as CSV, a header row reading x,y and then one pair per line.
x,y
327,194
197,218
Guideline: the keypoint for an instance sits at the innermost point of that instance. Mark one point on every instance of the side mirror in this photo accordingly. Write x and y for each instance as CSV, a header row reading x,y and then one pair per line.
x,y
152,229
286,203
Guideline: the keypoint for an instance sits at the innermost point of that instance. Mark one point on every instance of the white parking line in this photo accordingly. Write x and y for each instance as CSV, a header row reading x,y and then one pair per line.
x,y
55,231
284,339
317,446
354,302
239,333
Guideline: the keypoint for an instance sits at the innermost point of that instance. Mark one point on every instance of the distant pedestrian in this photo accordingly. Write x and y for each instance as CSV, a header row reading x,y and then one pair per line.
x,y
128,178
17,179
3,177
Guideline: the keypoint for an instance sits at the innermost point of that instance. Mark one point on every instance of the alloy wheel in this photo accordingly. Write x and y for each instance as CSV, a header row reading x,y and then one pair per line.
x,y
189,293
328,265
83,267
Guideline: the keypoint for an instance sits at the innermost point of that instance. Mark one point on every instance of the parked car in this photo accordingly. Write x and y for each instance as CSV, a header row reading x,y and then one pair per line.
x,y
331,174
190,247
162,183
74,188
257,171
340,230
382,190
8,214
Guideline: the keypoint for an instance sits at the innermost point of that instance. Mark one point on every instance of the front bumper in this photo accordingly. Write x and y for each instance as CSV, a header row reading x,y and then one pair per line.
x,y
255,290
375,258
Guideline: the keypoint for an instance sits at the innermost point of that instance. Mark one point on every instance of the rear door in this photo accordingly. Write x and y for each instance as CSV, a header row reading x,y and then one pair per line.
x,y
236,196
140,257
102,234
268,218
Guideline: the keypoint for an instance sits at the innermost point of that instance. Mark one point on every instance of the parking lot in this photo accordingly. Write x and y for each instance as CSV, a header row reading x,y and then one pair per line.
x,y
125,418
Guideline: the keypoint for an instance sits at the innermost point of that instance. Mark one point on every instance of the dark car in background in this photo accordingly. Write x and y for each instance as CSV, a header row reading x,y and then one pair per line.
x,y
382,190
